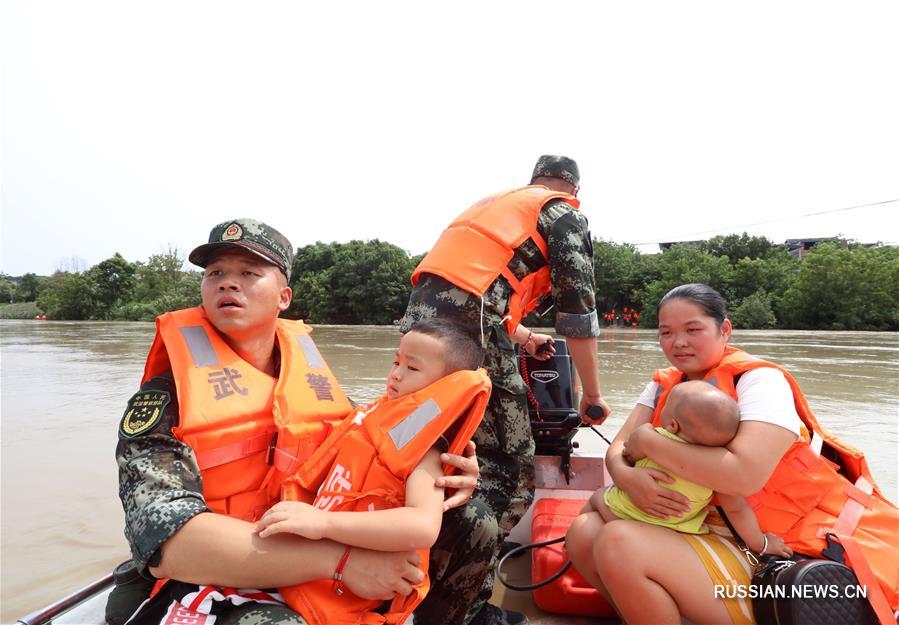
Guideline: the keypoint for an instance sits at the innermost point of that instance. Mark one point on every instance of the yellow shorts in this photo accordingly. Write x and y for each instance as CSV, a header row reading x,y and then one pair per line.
x,y
727,566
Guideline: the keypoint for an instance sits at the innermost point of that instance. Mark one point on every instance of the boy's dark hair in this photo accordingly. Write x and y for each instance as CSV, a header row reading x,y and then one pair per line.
x,y
462,348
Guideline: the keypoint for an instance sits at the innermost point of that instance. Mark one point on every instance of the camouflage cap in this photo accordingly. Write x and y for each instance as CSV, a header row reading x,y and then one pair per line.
x,y
251,235
555,166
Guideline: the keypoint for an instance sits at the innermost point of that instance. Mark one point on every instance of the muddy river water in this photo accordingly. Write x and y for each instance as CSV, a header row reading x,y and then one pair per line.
x,y
65,384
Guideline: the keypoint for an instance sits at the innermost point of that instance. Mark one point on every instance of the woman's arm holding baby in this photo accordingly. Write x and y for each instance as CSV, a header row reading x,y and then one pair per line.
x,y
642,484
740,468
769,425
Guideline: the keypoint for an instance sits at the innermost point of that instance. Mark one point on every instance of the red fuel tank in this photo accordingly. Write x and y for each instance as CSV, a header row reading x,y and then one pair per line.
x,y
570,594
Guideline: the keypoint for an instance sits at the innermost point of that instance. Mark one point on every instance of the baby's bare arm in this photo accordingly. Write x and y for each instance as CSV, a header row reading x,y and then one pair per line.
x,y
745,522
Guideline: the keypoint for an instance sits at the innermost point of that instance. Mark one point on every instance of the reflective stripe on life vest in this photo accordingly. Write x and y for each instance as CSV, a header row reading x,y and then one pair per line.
x,y
238,420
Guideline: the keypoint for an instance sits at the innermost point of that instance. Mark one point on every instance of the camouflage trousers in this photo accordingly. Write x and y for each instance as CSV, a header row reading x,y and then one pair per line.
x,y
465,554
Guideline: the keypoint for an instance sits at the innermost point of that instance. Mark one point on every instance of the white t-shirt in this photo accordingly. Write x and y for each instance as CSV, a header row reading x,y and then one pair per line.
x,y
763,394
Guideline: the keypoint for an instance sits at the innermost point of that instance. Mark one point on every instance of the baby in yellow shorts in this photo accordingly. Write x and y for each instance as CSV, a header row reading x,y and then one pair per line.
x,y
695,412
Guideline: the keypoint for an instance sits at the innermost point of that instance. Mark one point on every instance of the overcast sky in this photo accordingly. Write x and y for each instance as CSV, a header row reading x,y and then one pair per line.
x,y
133,126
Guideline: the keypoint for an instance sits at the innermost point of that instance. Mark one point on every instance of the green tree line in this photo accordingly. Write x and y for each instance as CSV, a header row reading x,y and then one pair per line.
x,y
838,285
114,289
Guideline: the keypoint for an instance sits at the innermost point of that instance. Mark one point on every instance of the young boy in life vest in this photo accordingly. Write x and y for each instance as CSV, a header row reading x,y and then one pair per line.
x,y
697,413
430,352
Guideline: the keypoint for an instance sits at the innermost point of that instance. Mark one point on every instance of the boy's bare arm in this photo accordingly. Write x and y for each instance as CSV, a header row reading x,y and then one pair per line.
x,y
413,526
744,521
217,549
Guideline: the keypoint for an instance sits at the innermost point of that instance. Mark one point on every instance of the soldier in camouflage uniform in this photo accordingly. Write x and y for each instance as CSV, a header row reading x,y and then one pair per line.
x,y
464,557
171,531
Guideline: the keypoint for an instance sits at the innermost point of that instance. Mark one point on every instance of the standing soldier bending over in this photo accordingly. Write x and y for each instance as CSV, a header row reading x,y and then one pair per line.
x,y
490,267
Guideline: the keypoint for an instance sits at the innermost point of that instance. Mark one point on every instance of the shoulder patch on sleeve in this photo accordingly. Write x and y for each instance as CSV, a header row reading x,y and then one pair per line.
x,y
144,412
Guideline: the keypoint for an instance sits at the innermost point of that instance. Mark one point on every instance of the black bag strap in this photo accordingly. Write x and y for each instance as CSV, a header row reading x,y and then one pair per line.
x,y
740,542
754,559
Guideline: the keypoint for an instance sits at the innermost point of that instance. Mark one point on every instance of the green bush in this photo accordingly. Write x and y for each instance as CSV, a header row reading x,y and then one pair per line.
x,y
21,310
754,312
360,282
844,287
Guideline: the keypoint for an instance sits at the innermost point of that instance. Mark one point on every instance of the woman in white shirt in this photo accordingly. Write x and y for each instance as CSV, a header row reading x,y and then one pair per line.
x,y
655,575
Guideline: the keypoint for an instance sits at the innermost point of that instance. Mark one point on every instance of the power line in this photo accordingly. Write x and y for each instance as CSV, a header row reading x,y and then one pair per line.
x,y
770,221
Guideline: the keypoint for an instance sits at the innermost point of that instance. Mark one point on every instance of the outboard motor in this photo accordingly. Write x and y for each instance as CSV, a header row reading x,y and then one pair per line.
x,y
552,403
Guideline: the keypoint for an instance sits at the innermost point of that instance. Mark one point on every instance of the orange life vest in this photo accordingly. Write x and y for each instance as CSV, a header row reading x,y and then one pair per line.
x,y
477,246
248,430
815,493
364,464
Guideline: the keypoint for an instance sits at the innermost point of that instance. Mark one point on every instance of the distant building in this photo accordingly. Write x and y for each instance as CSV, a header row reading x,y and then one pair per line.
x,y
666,246
800,247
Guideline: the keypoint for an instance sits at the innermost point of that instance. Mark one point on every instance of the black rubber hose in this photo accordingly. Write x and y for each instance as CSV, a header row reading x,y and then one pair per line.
x,y
519,550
